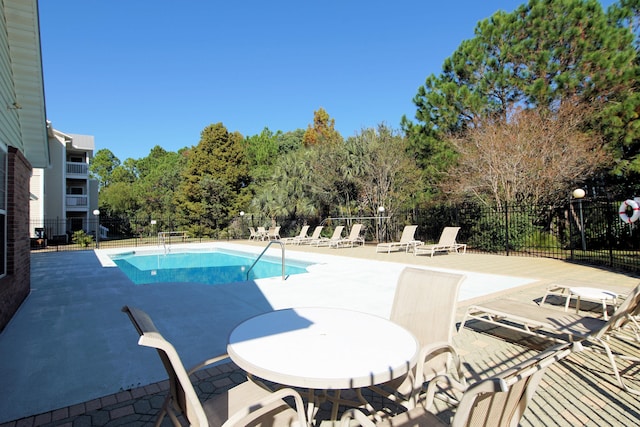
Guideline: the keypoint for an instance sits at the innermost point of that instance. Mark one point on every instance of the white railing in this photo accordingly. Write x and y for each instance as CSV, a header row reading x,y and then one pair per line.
x,y
77,201
77,168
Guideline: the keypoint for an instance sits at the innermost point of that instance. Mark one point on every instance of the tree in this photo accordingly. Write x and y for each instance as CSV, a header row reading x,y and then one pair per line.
x,y
287,191
102,166
544,53
161,174
215,179
261,151
532,156
382,170
322,131
119,198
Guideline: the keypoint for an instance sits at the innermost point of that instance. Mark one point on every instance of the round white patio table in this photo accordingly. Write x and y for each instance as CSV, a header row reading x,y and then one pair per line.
x,y
323,348
592,294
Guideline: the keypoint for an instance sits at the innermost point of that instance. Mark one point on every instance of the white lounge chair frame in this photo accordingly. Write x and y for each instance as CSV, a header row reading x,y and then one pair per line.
x,y
351,240
314,236
301,236
406,242
447,243
324,241
553,324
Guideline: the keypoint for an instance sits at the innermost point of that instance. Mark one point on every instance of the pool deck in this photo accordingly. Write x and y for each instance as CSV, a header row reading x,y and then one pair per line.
x,y
49,386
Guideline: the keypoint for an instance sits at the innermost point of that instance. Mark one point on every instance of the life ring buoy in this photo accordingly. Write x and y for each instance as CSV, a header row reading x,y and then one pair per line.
x,y
623,211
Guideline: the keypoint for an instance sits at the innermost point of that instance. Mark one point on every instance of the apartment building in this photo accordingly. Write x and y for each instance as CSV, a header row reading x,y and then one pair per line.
x,y
63,196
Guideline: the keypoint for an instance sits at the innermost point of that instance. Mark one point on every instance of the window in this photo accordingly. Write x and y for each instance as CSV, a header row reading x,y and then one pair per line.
x,y
3,210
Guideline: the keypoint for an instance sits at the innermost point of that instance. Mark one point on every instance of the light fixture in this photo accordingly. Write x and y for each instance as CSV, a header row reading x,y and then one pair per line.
x,y
96,212
579,193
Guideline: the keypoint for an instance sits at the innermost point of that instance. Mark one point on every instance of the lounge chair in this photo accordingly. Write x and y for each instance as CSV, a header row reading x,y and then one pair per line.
x,y
273,233
301,236
406,241
353,238
497,401
327,241
307,240
239,405
550,323
447,243
425,303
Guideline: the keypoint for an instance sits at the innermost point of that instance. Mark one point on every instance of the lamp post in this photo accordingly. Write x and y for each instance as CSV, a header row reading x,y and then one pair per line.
x,y
241,224
96,212
579,194
380,213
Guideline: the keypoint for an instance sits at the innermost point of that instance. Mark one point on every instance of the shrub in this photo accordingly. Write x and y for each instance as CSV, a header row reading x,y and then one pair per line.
x,y
81,238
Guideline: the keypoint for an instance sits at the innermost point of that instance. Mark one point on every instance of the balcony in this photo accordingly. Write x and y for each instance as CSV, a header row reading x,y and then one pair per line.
x,y
77,169
77,202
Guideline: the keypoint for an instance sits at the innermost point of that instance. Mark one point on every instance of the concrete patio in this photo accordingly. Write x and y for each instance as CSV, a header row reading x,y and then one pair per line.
x,y
582,393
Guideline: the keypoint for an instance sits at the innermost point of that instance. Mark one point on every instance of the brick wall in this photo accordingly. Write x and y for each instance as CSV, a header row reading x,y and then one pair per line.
x,y
15,286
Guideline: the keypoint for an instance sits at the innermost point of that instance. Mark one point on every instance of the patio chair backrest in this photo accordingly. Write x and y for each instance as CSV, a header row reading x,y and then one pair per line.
x,y
274,231
182,391
425,303
337,233
448,236
355,231
502,399
408,233
303,232
316,232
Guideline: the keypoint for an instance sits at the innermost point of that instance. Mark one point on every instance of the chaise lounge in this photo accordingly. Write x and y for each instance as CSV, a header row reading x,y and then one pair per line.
x,y
447,243
406,241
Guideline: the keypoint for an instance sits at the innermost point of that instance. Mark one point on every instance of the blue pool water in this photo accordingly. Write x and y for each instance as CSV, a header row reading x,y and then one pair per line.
x,y
209,267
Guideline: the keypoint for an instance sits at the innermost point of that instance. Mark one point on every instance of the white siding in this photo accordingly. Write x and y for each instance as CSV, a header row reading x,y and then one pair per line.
x,y
22,110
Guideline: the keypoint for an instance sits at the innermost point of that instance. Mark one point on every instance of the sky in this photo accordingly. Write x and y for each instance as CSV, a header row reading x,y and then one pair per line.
x,y
140,73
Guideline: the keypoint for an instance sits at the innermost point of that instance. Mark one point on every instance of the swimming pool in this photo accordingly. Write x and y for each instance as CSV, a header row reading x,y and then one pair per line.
x,y
211,267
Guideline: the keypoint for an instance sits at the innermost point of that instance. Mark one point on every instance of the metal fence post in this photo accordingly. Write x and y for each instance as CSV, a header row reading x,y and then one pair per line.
x,y
506,228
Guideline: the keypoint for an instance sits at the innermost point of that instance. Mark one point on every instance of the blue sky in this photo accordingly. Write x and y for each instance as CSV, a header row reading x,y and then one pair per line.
x,y
141,73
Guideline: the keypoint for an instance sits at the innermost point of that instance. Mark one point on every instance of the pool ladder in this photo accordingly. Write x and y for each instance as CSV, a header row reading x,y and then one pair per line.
x,y
262,253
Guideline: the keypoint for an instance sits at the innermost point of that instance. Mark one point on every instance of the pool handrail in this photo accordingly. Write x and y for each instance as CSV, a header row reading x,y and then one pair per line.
x,y
262,253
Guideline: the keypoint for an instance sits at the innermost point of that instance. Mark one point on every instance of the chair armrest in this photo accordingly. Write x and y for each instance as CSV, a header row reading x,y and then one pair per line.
x,y
272,397
356,414
438,381
430,351
207,362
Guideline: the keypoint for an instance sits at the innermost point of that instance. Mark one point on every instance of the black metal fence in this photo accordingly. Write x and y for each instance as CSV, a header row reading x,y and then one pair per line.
x,y
585,231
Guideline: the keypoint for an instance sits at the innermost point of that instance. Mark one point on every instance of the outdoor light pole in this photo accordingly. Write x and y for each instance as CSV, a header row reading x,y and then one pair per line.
x,y
96,212
579,194
380,214
241,224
